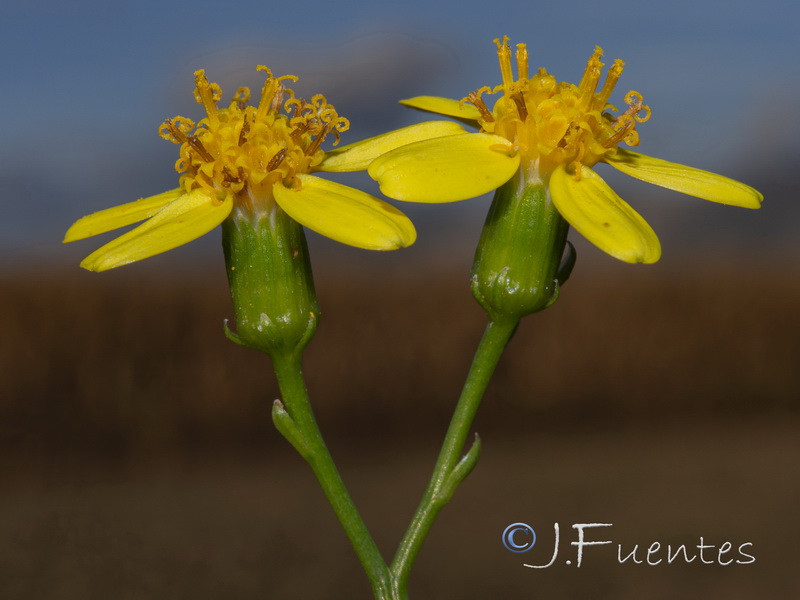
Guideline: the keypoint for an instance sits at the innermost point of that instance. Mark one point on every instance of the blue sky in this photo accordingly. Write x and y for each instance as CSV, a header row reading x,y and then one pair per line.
x,y
86,83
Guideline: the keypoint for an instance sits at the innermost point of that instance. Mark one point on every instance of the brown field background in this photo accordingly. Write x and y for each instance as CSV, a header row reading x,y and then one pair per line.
x,y
138,459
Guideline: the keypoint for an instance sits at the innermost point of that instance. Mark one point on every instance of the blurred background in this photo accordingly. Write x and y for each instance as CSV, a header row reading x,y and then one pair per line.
x,y
137,456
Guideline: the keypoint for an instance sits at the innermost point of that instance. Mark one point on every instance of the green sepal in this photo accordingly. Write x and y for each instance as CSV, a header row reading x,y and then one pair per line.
x,y
566,266
516,268
271,283
231,334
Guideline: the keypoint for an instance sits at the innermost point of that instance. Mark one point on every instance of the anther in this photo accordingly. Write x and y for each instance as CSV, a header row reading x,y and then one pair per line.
x,y
569,135
244,131
627,125
315,143
277,99
198,147
299,130
475,99
519,100
276,160
178,136
229,177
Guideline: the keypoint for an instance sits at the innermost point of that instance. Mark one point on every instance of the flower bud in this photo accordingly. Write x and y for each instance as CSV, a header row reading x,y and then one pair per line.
x,y
515,272
271,283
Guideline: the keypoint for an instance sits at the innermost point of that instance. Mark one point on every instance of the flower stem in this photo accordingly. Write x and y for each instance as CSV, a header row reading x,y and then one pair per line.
x,y
451,468
294,418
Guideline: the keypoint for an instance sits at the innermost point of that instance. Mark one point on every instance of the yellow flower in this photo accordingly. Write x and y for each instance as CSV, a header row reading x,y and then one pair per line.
x,y
550,133
251,160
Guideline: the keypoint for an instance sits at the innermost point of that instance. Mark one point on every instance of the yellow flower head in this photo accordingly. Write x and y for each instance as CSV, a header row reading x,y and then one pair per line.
x,y
251,147
545,132
551,123
249,161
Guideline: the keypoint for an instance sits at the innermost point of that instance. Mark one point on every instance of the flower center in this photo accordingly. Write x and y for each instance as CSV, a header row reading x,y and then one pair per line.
x,y
552,124
248,149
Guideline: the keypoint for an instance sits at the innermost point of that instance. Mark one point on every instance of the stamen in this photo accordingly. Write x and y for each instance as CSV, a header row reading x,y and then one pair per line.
x,y
175,134
611,81
522,61
207,95
573,130
627,124
324,114
272,93
271,86
229,177
198,147
317,141
504,57
276,160
277,100
591,75
297,133
475,99
244,131
519,100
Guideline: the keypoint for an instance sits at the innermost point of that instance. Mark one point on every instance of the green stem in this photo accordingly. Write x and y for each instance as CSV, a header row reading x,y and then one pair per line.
x,y
450,468
298,425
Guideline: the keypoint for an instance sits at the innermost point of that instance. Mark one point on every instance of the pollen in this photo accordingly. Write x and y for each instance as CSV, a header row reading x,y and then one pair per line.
x,y
248,149
552,124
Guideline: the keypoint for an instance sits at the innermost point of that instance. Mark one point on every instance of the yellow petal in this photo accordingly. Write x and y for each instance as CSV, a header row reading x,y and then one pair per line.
x,y
602,217
119,216
357,156
444,106
345,214
446,169
186,219
688,180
